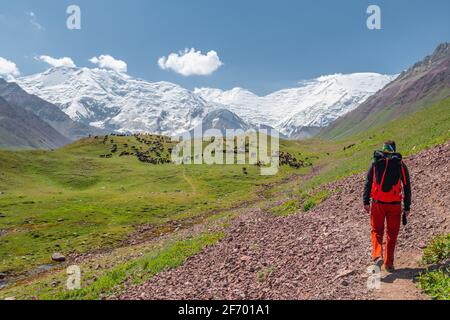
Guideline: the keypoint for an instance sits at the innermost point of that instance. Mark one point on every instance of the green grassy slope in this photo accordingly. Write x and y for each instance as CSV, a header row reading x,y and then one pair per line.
x,y
73,200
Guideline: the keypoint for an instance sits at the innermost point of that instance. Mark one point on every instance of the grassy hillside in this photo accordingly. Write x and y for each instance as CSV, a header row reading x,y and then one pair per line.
x,y
72,200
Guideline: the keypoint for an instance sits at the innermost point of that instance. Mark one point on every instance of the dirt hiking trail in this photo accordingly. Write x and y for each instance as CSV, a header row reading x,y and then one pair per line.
x,y
321,254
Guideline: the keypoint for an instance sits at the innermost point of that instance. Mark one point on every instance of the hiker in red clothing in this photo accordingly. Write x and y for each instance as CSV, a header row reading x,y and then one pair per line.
x,y
387,184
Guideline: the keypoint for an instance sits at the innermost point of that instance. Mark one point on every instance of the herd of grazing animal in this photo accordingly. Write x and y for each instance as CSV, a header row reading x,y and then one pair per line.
x,y
155,154
288,159
156,146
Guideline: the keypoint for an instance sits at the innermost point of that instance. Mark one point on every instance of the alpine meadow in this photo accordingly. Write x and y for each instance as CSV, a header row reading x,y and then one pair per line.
x,y
124,181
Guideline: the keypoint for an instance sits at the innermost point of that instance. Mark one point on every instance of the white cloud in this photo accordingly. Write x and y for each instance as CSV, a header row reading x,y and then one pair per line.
x,y
191,62
8,69
34,22
61,62
108,62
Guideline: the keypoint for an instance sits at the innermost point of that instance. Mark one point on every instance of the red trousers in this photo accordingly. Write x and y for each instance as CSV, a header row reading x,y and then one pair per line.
x,y
391,215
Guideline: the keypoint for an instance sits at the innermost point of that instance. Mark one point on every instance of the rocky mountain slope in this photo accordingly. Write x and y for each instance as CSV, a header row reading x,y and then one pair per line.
x,y
301,112
19,98
20,128
117,102
321,254
426,82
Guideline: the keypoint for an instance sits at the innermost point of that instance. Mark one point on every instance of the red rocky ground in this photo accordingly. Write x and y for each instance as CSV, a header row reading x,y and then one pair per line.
x,y
322,254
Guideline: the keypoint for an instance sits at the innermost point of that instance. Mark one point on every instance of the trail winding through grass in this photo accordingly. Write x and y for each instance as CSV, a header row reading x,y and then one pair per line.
x,y
189,181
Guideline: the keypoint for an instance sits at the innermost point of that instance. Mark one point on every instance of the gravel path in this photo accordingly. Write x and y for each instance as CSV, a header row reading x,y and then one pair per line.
x,y
322,254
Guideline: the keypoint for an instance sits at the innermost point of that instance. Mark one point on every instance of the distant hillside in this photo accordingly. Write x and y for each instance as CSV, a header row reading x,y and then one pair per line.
x,y
20,128
17,97
427,82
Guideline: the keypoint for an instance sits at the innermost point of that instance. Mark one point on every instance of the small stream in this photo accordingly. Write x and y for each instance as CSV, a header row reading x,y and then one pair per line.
x,y
43,268
34,272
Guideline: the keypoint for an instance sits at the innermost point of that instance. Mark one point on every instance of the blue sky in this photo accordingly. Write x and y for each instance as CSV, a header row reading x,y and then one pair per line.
x,y
263,45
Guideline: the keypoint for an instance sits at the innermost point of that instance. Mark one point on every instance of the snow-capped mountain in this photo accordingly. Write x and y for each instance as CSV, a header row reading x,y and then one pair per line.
x,y
117,102
220,120
301,112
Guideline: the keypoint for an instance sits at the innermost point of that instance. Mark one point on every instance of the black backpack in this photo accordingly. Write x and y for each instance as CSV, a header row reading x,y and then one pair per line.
x,y
393,172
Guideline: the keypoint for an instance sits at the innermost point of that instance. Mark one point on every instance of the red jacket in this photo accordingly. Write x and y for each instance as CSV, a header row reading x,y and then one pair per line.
x,y
388,180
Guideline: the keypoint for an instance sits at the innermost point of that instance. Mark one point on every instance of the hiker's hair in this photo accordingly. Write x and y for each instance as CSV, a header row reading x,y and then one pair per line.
x,y
389,146
390,143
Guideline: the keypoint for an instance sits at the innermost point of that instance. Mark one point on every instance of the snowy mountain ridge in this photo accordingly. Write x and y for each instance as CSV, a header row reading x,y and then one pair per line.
x,y
314,104
117,102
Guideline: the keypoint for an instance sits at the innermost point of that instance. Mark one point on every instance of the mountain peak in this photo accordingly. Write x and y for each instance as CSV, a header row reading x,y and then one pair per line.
x,y
442,51
89,72
60,69
440,54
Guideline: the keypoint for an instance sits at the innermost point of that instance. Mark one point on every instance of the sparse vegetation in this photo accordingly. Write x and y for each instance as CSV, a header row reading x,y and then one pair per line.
x,y
435,282
286,208
264,274
437,251
311,200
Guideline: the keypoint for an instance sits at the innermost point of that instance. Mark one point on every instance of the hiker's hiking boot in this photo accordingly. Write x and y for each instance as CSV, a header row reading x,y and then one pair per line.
x,y
378,262
390,269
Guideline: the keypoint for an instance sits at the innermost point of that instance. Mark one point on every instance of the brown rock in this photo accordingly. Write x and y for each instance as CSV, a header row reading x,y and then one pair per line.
x,y
58,257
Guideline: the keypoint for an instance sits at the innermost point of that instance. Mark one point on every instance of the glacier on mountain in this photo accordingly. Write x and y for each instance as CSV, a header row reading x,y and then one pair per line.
x,y
314,104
